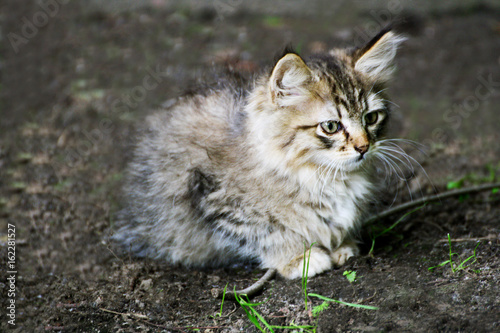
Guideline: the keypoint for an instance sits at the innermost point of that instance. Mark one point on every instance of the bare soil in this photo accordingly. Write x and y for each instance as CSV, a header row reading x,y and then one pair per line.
x,y
75,89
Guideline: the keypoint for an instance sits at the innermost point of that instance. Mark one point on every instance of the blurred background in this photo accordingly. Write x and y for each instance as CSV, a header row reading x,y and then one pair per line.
x,y
59,55
78,76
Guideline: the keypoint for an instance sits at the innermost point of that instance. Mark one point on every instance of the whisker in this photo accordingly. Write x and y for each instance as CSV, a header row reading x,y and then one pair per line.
x,y
405,156
391,102
378,92
412,142
396,167
401,151
389,172
417,145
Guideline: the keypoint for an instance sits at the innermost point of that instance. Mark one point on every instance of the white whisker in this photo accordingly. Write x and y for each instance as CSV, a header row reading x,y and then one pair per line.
x,y
416,145
389,173
391,102
380,91
405,156
391,152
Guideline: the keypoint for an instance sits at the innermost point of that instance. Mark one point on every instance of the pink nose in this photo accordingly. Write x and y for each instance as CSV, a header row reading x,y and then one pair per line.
x,y
362,149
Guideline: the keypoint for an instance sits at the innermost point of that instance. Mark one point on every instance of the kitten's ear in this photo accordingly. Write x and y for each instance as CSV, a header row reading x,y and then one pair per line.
x,y
376,58
289,80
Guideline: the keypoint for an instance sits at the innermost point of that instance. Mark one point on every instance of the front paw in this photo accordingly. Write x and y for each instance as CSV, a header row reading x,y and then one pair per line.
x,y
343,252
319,261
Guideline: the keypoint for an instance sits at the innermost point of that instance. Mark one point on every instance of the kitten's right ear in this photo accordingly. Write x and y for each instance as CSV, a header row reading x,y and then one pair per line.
x,y
289,80
375,59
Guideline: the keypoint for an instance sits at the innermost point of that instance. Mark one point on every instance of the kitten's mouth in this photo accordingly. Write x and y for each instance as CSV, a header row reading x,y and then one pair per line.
x,y
357,161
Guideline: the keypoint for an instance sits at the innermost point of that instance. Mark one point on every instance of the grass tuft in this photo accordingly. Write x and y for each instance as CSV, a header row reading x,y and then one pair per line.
x,y
320,308
455,267
260,322
255,317
222,302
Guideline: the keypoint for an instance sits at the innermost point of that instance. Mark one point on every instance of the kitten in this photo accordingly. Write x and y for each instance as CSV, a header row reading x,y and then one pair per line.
x,y
257,173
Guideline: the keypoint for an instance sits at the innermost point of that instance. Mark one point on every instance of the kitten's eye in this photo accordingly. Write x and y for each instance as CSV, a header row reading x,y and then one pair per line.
x,y
330,126
371,118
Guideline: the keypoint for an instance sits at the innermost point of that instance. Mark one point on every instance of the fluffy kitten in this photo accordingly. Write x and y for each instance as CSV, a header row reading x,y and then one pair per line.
x,y
256,174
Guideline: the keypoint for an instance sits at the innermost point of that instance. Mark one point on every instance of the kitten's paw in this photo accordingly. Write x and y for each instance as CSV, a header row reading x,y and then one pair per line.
x,y
344,252
319,262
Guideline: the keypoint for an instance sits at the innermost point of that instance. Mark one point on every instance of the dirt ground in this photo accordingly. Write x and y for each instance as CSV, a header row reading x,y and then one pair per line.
x,y
73,89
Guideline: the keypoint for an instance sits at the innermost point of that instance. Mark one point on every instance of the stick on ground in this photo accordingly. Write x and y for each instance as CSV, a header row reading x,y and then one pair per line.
x,y
430,198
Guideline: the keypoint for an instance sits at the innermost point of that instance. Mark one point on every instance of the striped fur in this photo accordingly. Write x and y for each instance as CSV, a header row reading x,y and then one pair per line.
x,y
250,173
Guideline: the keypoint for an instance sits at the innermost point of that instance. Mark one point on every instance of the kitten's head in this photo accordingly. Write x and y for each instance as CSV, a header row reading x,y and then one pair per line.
x,y
329,110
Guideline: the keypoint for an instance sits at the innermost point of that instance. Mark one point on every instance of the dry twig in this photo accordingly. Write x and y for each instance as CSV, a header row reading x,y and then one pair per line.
x,y
431,198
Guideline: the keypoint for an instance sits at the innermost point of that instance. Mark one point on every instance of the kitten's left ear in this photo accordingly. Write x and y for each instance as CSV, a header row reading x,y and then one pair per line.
x,y
376,58
289,80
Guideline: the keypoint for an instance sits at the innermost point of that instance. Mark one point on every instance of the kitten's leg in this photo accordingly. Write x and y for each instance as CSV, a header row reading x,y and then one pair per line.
x,y
319,261
346,250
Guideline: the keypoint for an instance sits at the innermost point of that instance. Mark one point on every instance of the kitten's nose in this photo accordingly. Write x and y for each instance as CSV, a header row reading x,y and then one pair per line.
x,y
362,149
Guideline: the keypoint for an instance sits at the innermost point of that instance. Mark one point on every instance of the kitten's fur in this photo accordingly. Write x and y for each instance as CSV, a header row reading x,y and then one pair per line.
x,y
226,175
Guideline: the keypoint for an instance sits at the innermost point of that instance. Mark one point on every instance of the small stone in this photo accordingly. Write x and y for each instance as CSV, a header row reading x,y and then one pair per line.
x,y
215,292
146,284
98,301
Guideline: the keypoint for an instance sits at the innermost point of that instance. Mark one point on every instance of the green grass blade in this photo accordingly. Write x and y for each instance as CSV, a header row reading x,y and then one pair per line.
x,y
462,264
367,307
262,320
451,254
253,315
305,272
222,302
304,277
392,227
247,308
440,265
400,220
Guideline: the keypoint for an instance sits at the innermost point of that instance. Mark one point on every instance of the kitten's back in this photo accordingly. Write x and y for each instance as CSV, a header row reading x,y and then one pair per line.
x,y
188,140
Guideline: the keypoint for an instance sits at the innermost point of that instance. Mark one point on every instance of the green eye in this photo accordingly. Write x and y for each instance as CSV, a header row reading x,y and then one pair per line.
x,y
330,126
371,118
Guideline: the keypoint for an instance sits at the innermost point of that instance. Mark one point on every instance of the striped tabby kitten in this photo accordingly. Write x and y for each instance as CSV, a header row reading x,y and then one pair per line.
x,y
238,173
